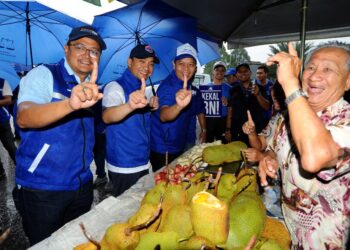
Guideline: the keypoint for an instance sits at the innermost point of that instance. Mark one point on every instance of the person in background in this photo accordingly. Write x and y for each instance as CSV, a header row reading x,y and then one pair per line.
x,y
6,135
179,104
53,176
258,142
231,77
216,125
127,114
245,96
262,79
312,148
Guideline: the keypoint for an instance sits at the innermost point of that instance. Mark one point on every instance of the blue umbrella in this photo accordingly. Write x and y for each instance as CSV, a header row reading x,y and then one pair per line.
x,y
208,50
148,22
31,33
8,73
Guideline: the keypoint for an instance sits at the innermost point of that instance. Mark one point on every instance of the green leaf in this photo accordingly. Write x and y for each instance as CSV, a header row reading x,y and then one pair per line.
x,y
94,2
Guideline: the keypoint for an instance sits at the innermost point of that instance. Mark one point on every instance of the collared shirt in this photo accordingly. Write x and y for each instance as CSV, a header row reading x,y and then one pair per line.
x,y
316,207
37,85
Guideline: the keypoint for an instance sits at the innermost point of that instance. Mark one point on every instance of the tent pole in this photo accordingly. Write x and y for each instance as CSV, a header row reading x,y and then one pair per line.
x,y
303,32
28,33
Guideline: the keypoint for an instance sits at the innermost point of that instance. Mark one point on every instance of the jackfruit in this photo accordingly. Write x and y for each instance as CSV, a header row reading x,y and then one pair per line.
x,y
219,154
247,215
209,217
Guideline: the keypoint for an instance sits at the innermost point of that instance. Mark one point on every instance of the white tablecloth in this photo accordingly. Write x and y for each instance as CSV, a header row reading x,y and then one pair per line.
x,y
97,220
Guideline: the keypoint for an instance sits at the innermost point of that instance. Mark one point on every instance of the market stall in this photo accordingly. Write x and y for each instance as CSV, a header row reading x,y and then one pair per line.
x,y
120,209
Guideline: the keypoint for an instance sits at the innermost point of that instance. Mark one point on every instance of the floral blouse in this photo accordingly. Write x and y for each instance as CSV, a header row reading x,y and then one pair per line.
x,y
316,207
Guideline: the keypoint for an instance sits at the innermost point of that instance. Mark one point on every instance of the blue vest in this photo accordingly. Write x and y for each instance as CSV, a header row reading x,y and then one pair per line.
x,y
58,156
4,113
128,141
172,136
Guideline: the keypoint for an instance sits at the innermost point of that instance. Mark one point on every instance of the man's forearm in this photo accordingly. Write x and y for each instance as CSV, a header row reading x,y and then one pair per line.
x,y
116,113
33,115
169,113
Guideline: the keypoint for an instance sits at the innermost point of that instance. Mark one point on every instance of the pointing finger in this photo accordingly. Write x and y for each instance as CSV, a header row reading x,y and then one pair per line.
x,y
250,119
292,51
94,73
143,85
185,82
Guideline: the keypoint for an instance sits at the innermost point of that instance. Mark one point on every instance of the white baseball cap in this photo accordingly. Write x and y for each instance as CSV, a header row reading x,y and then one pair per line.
x,y
184,51
220,63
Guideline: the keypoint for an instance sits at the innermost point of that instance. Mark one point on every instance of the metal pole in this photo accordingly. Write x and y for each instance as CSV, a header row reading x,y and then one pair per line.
x,y
304,8
28,33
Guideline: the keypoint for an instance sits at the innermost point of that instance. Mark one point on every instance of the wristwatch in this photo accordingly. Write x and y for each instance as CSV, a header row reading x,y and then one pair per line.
x,y
295,95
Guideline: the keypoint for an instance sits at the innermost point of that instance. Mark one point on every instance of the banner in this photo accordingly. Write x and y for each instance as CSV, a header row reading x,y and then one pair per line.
x,y
212,98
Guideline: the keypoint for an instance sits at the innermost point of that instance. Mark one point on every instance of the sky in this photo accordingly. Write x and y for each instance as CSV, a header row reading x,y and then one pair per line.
x,y
260,53
256,53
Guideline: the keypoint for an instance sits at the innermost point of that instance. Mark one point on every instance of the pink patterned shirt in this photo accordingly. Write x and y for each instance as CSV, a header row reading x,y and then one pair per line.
x,y
316,207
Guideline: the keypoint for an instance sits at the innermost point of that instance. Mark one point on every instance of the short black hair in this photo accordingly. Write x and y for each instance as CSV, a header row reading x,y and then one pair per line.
x,y
265,68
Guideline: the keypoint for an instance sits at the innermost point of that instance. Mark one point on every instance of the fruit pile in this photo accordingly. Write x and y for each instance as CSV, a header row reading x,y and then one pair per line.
x,y
202,212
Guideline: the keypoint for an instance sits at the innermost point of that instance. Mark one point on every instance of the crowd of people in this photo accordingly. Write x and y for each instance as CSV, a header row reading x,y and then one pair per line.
x,y
297,131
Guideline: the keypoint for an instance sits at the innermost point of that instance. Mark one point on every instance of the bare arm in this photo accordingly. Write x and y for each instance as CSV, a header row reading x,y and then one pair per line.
x,y
33,115
314,142
137,99
202,124
183,98
264,103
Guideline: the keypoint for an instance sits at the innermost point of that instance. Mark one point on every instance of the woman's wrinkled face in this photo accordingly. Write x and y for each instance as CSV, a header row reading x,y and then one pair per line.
x,y
326,77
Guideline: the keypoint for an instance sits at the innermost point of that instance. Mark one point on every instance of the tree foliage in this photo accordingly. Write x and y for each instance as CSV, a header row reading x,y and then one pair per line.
x,y
231,58
283,46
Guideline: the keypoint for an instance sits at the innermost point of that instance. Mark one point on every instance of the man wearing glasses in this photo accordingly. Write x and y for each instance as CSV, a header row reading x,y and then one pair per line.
x,y
53,177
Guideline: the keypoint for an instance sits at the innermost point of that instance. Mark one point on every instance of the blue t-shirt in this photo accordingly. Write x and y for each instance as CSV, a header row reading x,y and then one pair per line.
x,y
172,136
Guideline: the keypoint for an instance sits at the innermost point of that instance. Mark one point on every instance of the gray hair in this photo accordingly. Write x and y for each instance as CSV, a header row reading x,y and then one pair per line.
x,y
331,44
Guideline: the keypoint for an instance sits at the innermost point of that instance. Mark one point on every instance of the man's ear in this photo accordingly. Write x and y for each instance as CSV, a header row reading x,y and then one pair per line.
x,y
129,62
66,48
347,83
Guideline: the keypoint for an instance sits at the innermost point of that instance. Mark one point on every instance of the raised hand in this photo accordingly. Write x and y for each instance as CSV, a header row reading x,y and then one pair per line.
x,y
137,99
183,96
268,166
86,94
249,126
288,66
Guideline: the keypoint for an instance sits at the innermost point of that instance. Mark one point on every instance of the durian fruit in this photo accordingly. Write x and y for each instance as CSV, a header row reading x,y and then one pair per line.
x,y
227,187
86,246
267,244
246,181
145,213
195,243
209,217
193,189
247,218
153,195
117,238
178,219
276,230
219,154
158,240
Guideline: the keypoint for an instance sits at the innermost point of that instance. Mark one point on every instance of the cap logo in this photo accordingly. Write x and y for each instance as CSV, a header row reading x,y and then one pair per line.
x,y
149,49
89,31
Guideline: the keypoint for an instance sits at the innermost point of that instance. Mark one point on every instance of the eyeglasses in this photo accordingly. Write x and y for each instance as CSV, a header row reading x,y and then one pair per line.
x,y
81,49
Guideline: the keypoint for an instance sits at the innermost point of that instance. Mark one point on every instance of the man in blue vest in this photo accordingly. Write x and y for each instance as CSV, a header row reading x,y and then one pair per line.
x,y
180,102
127,113
6,135
53,176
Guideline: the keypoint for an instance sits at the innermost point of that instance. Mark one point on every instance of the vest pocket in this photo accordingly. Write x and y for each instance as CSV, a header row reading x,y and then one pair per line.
x,y
38,158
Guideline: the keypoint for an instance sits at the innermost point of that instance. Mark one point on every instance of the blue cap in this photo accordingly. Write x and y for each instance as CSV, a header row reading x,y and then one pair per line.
x,y
86,31
230,71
